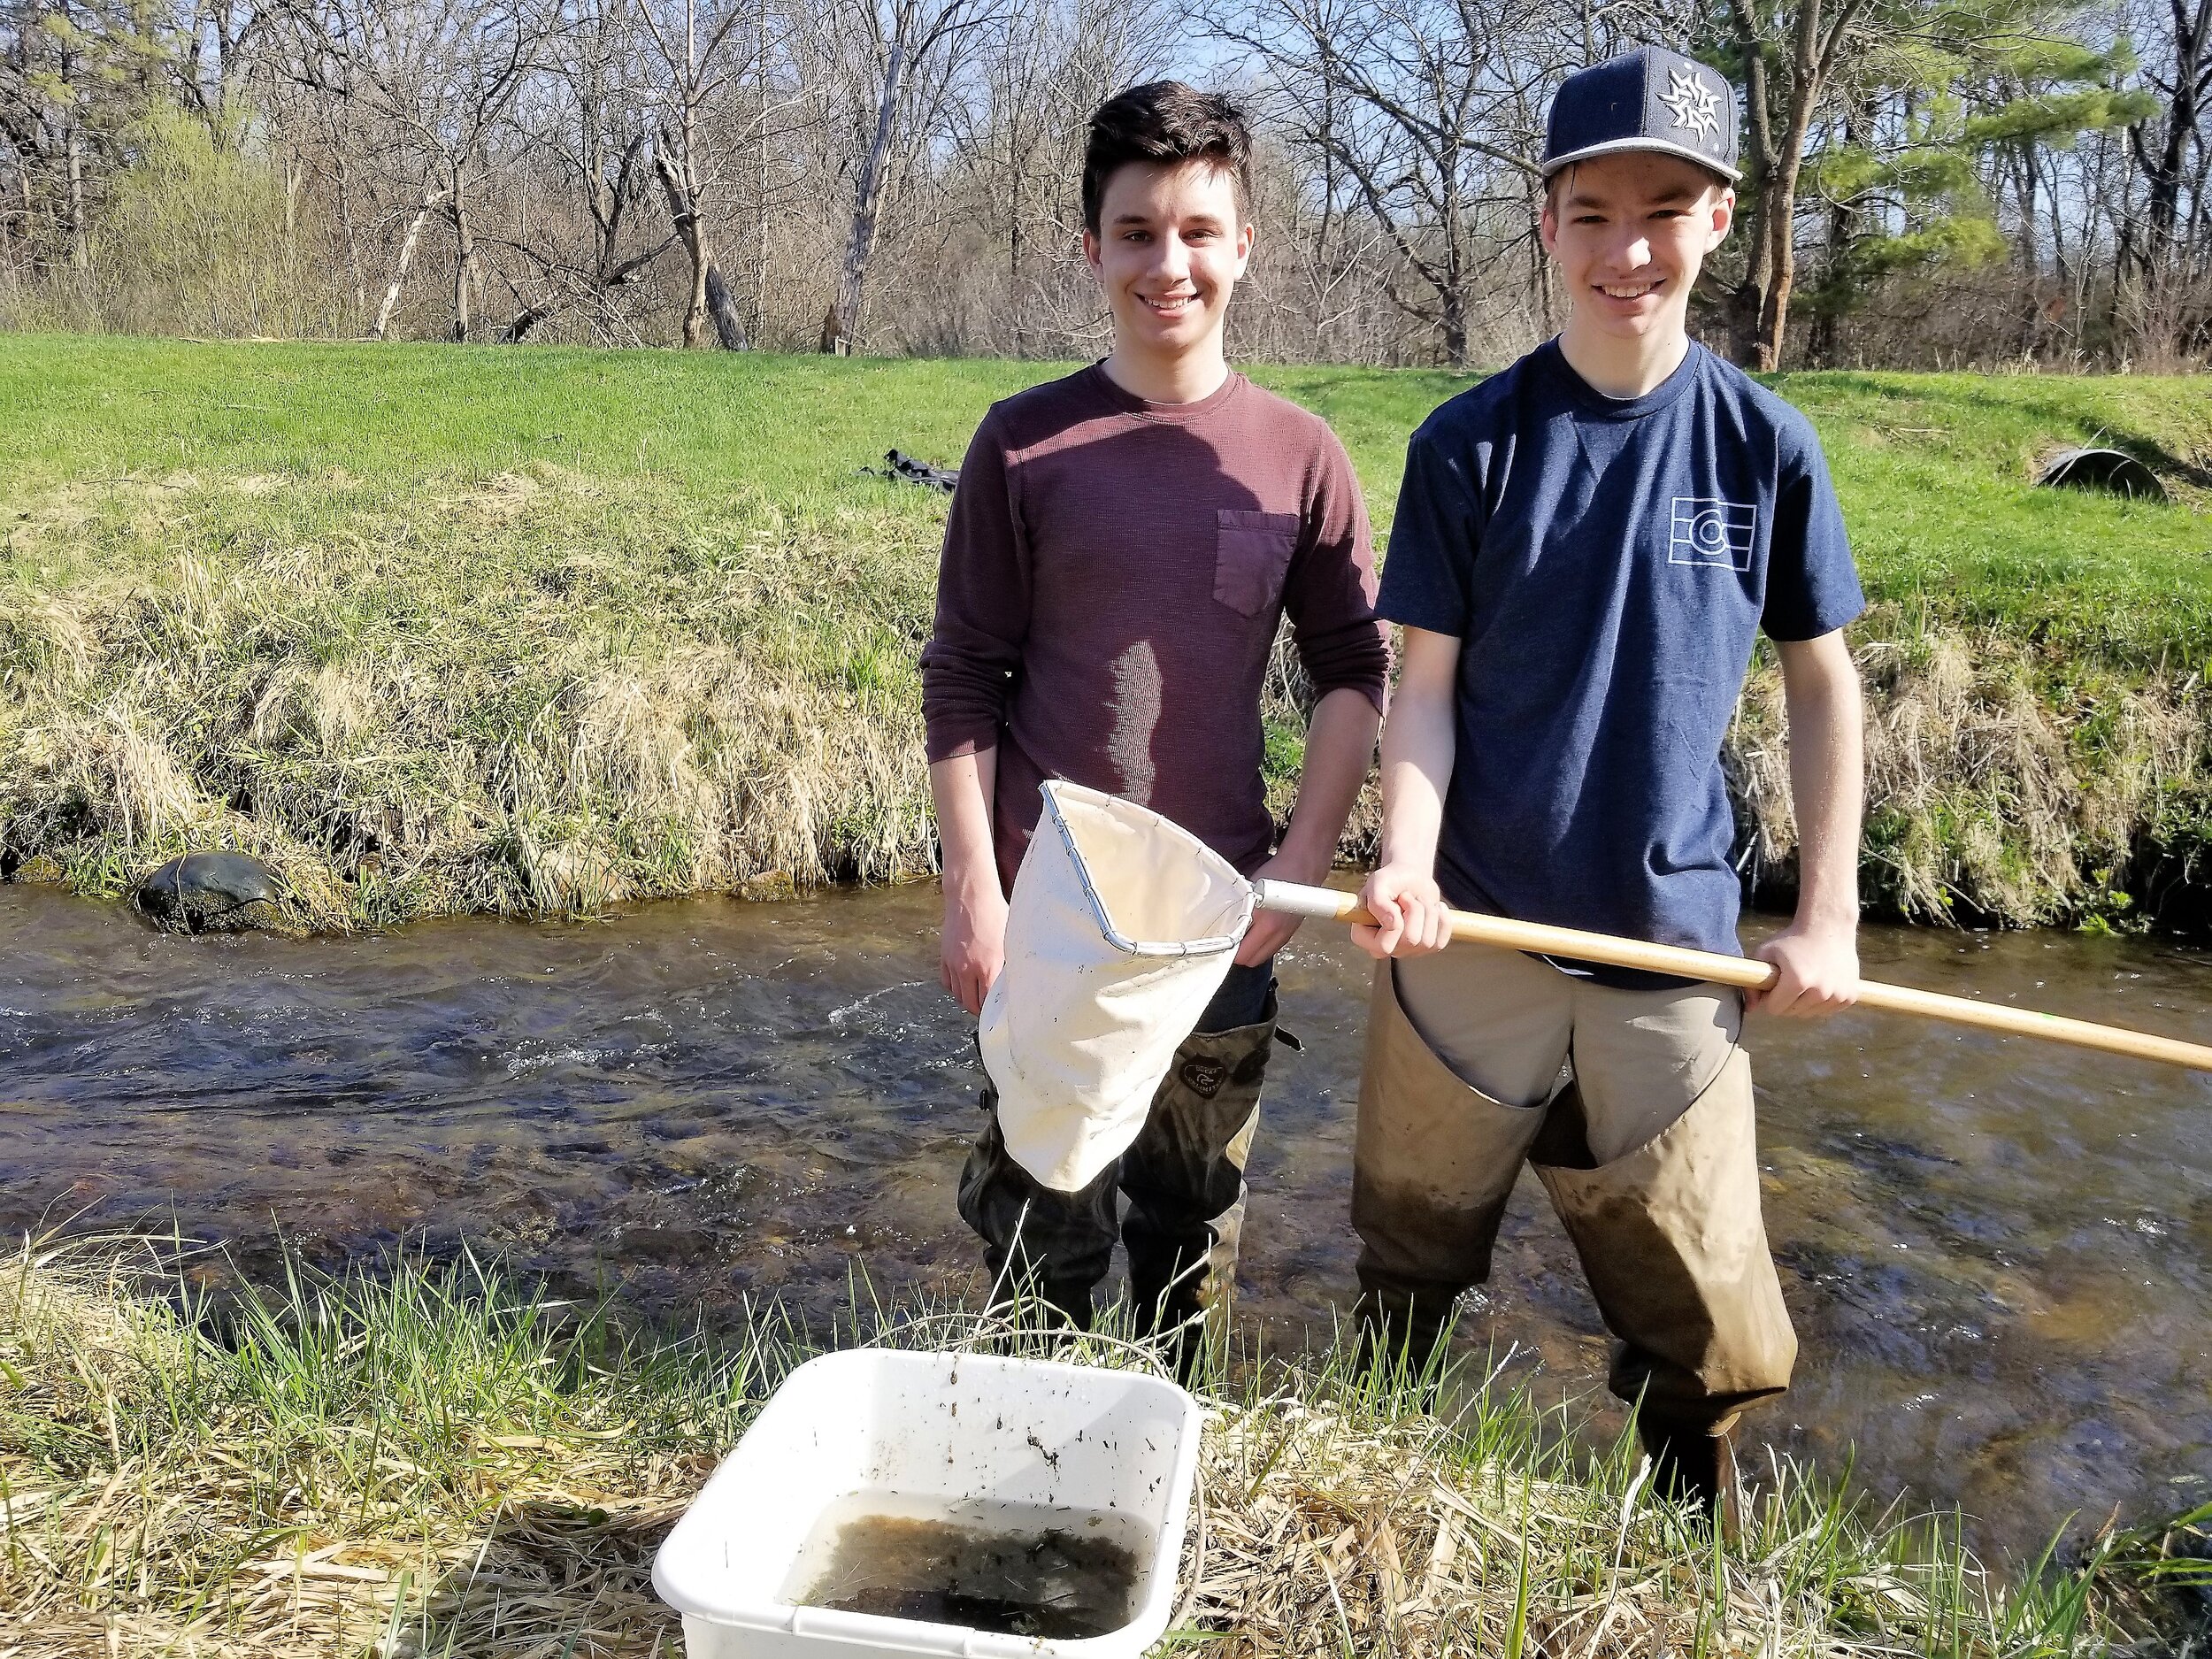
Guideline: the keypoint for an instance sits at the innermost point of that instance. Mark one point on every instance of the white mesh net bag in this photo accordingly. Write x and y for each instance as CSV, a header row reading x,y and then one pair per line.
x,y
1121,928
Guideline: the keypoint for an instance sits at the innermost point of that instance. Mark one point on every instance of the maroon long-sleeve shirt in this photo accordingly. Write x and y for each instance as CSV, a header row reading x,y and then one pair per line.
x,y
1114,573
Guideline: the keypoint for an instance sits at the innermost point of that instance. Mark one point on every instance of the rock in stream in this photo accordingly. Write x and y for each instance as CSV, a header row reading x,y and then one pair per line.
x,y
211,893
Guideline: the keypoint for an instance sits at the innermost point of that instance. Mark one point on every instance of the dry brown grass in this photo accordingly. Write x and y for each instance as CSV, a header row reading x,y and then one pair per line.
x,y
431,1462
1997,783
167,1492
540,692
406,713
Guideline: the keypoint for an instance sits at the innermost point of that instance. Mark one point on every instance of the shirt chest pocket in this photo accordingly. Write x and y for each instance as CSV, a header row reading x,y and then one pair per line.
x,y
1252,554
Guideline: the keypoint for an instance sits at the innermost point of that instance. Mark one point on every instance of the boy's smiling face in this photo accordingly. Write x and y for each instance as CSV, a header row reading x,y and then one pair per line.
x,y
1628,232
1170,248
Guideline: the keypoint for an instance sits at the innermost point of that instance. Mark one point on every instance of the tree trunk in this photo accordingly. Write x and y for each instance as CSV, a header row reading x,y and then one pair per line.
x,y
464,260
676,186
30,202
1779,202
1746,301
696,307
2157,321
524,320
710,299
843,322
1014,244
1781,262
1454,309
382,325
729,328
1452,298
80,237
2030,255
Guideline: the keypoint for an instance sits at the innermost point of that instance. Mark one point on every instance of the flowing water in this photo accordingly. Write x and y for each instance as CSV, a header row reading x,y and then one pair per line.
x,y
1995,1250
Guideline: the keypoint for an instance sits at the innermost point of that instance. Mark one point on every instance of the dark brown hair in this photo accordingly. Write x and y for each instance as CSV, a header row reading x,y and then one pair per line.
x,y
1164,122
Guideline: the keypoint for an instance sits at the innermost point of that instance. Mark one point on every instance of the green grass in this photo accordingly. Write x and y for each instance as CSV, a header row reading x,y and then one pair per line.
x,y
433,1460
1932,470
440,629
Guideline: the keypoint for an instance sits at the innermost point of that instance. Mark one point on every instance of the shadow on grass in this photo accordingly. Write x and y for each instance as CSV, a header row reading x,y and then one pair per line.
x,y
557,1577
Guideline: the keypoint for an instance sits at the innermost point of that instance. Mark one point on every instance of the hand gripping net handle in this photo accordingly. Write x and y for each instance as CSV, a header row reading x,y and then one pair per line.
x,y
1327,905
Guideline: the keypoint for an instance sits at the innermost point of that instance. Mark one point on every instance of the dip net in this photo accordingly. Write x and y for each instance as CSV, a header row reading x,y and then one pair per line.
x,y
1121,928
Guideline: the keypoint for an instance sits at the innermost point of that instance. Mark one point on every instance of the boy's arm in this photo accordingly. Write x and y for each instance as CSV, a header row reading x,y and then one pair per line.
x,y
974,941
1817,952
1340,743
982,621
1330,600
1417,747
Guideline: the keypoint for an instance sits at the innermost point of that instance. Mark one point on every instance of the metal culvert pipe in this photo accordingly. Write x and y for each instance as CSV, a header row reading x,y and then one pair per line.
x,y
2101,469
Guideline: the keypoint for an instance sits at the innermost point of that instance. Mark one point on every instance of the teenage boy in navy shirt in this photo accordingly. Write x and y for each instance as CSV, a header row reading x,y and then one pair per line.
x,y
1587,546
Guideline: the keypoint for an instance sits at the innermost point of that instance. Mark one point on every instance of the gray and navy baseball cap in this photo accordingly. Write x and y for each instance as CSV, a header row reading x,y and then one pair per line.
x,y
1648,99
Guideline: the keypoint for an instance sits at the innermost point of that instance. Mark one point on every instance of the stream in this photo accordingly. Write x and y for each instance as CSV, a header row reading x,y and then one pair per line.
x,y
1994,1250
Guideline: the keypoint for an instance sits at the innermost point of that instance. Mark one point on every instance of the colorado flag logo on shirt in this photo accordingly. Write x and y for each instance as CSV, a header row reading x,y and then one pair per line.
x,y
1710,531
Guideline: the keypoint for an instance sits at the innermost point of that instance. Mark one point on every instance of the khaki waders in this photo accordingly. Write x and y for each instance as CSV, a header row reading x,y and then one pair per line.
x,y
1647,1154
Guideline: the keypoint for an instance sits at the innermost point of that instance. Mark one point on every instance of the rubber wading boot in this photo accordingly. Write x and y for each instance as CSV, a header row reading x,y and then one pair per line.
x,y
1692,1463
1675,1250
1183,1175
1045,1250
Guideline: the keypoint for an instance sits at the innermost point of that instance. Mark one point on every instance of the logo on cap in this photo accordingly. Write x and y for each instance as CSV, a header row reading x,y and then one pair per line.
x,y
1649,99
1691,101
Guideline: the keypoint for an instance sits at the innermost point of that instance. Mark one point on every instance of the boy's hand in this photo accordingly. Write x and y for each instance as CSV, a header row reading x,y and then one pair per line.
x,y
1271,930
1410,916
974,946
1819,972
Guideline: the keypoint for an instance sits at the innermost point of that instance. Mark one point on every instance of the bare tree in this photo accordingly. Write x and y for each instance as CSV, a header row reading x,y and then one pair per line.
x,y
588,125
894,66
695,61
1425,114
1791,50
1043,70
2155,263
437,77
806,172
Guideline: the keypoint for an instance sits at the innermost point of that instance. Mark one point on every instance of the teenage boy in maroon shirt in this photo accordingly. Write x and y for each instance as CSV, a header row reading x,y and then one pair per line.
x,y
1121,549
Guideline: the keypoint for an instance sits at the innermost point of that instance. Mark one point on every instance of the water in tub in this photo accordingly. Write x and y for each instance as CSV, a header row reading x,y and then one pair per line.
x,y
1011,1569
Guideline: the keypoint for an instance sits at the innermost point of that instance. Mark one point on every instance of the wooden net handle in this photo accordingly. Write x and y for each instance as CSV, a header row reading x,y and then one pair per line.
x,y
1752,975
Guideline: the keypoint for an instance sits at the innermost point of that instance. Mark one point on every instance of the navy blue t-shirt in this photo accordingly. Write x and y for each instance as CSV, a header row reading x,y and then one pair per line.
x,y
1607,565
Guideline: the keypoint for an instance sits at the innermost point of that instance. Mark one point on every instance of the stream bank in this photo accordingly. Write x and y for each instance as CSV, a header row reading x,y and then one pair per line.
x,y
435,1460
434,634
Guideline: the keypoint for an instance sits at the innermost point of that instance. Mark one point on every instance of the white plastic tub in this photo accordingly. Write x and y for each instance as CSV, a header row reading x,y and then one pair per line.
x,y
915,1435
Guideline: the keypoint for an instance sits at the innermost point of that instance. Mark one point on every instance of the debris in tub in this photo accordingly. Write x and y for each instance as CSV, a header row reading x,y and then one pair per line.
x,y
1053,1584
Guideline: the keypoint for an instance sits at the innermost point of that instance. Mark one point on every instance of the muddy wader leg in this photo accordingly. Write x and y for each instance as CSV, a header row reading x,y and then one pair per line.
x,y
1675,1249
1036,1242
1433,1165
1183,1174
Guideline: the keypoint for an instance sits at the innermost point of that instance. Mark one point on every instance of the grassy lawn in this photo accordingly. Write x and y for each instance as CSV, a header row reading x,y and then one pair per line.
x,y
439,628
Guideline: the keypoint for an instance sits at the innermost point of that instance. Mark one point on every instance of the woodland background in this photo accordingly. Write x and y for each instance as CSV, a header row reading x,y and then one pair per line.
x,y
1931,183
